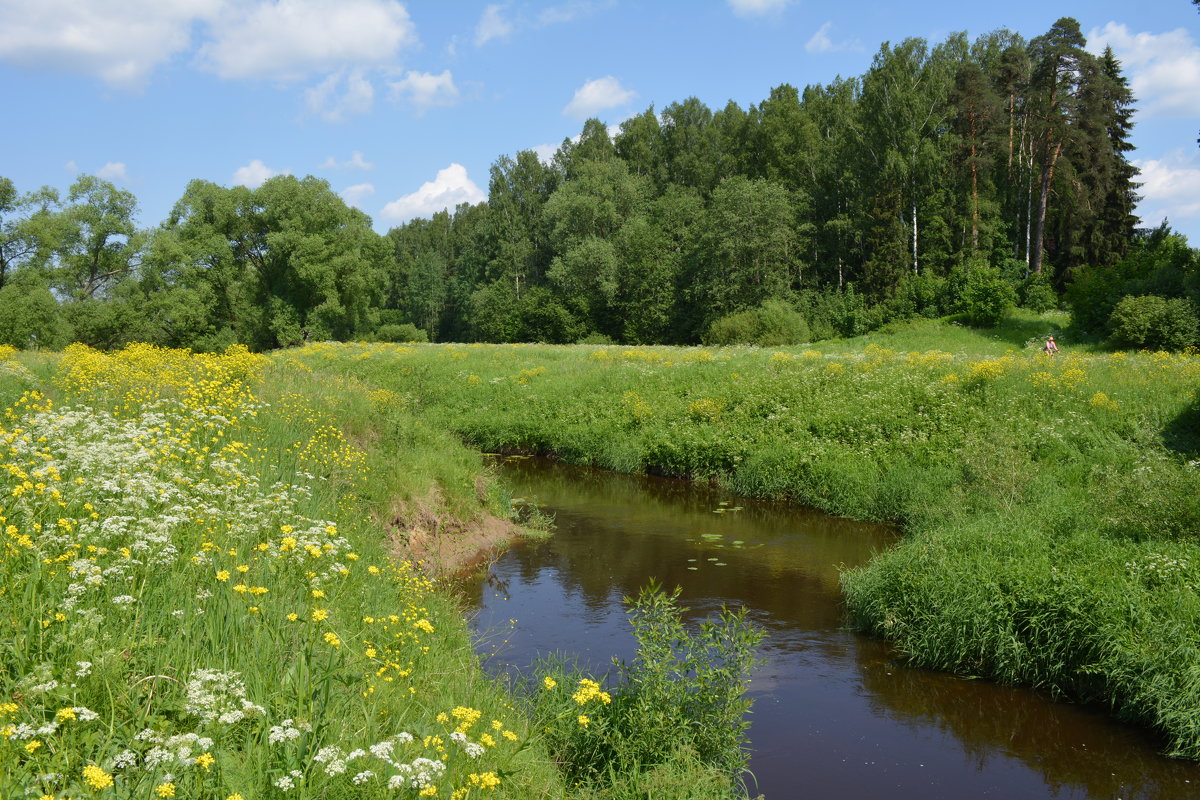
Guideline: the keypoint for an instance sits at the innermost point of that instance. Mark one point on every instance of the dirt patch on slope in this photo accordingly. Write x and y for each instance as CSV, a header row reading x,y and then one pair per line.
x,y
426,534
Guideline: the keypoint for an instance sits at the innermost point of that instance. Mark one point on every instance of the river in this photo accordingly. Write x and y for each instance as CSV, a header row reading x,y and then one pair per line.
x,y
835,714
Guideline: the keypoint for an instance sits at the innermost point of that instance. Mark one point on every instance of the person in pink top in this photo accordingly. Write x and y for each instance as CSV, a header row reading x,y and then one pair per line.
x,y
1050,347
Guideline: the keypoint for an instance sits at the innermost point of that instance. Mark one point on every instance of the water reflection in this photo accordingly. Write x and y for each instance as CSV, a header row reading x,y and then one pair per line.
x,y
834,713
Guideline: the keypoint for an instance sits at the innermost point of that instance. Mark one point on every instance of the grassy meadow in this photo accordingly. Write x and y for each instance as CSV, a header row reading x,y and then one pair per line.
x,y
1050,502
203,594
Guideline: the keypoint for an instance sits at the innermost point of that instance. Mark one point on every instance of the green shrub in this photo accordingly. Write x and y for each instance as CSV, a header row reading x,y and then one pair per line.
x,y
596,338
986,297
30,316
405,332
1154,322
772,324
680,703
1037,294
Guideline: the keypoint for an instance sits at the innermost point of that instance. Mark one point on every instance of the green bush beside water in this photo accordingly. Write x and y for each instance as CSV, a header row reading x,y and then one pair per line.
x,y
1049,502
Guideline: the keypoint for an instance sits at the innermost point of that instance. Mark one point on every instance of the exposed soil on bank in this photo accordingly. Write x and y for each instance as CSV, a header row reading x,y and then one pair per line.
x,y
428,535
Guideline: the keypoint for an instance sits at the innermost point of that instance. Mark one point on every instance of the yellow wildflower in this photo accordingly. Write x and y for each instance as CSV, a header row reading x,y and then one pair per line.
x,y
96,778
165,789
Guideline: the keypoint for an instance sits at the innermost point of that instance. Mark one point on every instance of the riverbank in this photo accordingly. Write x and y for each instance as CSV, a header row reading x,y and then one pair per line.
x,y
1049,502
199,600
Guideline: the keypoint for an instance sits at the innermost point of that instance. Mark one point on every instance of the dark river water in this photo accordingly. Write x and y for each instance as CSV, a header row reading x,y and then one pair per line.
x,y
835,715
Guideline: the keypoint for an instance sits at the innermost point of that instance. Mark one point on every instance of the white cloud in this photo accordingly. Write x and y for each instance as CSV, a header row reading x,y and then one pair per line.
x,y
569,11
451,187
356,194
335,99
757,8
119,41
1164,68
113,171
291,39
71,167
545,152
425,90
254,174
492,25
821,43
597,95
1170,188
355,161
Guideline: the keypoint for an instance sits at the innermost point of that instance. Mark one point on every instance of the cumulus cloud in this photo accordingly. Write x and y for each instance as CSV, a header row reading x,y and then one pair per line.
x,y
598,95
425,90
355,195
1170,188
119,41
451,187
291,39
254,174
356,161
113,171
1164,68
545,152
757,8
492,25
821,43
341,95
71,167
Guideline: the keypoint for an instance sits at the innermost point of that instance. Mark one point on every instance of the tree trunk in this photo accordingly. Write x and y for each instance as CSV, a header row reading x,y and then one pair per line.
x,y
975,191
914,241
1035,263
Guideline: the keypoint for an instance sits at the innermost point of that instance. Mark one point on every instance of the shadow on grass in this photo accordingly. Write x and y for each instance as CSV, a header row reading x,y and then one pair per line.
x,y
1182,434
1017,330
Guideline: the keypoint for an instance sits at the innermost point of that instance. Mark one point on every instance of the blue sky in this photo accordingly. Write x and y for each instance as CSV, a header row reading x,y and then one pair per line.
x,y
403,106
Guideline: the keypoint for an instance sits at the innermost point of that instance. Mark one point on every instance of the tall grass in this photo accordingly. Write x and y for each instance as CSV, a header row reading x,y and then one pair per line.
x,y
195,600
1050,501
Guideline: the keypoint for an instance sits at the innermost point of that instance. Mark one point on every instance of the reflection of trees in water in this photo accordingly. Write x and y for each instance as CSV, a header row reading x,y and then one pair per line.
x,y
1073,748
615,530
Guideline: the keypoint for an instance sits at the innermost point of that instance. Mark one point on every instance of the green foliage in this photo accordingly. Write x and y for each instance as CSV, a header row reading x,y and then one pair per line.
x,y
31,316
1004,465
680,705
403,332
1037,294
986,297
1154,322
772,324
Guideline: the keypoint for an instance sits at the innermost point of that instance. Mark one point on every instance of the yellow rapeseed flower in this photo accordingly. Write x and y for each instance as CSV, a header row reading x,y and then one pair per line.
x,y
96,778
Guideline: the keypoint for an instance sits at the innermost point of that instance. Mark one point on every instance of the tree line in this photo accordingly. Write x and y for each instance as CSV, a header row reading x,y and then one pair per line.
x,y
961,176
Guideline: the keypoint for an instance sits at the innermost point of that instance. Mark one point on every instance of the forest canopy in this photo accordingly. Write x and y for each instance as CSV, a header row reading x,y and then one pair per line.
x,y
958,177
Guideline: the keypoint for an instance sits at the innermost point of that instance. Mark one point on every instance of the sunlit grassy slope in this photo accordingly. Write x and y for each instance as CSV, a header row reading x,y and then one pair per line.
x,y
1050,502
196,599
